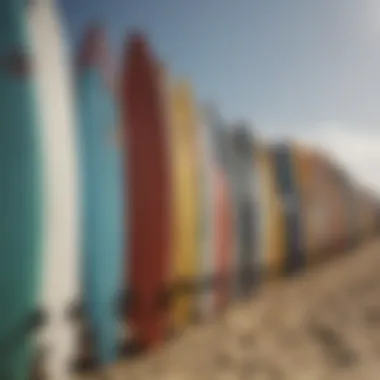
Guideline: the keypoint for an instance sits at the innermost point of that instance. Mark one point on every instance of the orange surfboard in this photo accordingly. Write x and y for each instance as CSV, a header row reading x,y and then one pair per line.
x,y
319,217
338,201
335,202
313,195
149,191
328,201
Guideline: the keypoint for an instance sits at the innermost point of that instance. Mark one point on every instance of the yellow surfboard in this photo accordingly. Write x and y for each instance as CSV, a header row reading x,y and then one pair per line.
x,y
185,249
269,214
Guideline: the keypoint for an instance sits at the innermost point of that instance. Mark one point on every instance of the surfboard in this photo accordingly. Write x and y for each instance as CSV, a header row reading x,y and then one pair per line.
x,y
287,190
317,210
316,198
322,211
105,259
363,214
150,191
20,196
262,236
224,283
351,225
243,192
310,212
185,259
338,206
269,234
225,158
223,240
60,284
334,201
206,220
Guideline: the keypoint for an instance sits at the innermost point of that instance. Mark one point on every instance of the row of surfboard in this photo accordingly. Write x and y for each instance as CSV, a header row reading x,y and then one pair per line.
x,y
126,213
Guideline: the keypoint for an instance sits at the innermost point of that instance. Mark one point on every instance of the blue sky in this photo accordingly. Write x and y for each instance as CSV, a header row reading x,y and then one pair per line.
x,y
295,67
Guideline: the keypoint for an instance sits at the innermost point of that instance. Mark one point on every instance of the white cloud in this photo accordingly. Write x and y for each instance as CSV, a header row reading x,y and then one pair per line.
x,y
370,22
357,149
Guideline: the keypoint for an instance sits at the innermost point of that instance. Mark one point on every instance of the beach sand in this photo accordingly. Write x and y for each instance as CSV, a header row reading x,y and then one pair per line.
x,y
320,325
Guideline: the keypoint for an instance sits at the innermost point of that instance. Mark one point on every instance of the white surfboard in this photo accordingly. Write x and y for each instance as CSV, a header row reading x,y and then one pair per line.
x,y
60,270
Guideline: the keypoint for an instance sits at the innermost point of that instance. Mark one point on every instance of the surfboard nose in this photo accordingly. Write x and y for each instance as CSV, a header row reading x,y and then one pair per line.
x,y
93,51
138,48
139,42
140,67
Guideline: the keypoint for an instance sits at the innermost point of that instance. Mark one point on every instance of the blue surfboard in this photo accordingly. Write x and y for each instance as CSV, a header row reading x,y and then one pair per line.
x,y
103,194
287,189
242,178
20,195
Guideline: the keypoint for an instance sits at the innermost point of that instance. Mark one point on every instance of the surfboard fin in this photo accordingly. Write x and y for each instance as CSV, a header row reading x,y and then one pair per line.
x,y
85,365
87,360
75,311
164,299
125,303
131,349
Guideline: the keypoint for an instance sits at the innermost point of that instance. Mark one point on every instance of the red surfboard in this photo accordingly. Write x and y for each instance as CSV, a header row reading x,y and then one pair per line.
x,y
149,190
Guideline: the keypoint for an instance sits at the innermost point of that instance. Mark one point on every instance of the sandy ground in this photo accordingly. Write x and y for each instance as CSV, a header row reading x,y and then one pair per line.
x,y
318,326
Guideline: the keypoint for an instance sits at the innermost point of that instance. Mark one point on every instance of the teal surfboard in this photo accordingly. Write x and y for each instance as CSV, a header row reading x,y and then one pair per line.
x,y
20,195
103,206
